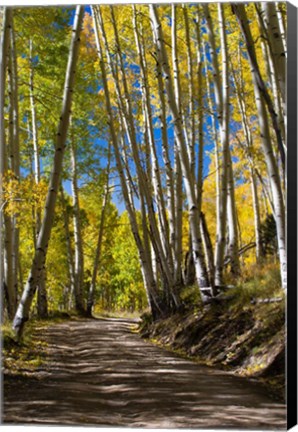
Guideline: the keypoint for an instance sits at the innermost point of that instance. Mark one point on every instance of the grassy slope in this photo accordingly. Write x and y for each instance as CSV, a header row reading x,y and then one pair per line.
x,y
234,334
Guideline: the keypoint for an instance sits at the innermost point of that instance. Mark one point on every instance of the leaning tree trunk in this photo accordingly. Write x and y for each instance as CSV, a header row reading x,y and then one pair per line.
x,y
22,314
272,168
240,12
194,216
149,281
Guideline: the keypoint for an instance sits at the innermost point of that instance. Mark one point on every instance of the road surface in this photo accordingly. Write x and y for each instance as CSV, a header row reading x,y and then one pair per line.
x,y
99,373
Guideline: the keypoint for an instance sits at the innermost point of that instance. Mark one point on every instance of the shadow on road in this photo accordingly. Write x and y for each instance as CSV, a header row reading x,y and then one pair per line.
x,y
99,373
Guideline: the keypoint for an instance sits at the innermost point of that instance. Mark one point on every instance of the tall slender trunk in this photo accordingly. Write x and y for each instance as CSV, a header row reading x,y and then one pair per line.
x,y
233,245
257,77
156,177
272,169
97,257
42,303
6,279
149,281
248,150
22,314
277,46
124,101
16,156
178,180
70,260
194,216
221,88
78,242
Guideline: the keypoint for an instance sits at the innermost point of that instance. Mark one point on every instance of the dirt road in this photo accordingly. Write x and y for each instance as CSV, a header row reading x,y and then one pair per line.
x,y
99,373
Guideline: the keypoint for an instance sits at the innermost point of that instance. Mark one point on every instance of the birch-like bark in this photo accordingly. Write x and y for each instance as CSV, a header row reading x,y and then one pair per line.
x,y
215,140
70,260
271,71
277,46
170,181
16,154
97,257
22,314
156,177
249,143
272,169
191,104
194,216
221,90
178,203
78,242
149,281
262,89
42,304
128,118
6,242
282,28
233,245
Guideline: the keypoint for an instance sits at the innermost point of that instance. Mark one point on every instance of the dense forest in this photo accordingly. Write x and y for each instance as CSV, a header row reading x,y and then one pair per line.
x,y
142,158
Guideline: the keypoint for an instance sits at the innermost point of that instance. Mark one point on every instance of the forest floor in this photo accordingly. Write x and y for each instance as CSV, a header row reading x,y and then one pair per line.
x,y
101,372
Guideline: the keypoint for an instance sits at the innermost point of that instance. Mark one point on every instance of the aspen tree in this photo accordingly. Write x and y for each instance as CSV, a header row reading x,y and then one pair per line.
x,y
257,77
277,46
7,281
128,120
149,281
221,90
78,241
16,154
42,307
249,145
90,301
22,314
271,71
178,203
70,260
194,216
156,177
272,168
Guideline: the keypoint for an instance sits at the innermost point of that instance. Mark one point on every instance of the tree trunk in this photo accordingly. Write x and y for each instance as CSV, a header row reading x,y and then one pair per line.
x,y
78,242
273,174
42,303
194,216
223,115
70,260
16,156
149,282
7,281
22,314
240,12
97,257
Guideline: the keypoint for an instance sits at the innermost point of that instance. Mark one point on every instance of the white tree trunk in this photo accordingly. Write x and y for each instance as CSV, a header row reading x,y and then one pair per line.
x,y
70,260
16,155
149,281
97,257
221,89
6,279
22,314
272,169
194,216
42,304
